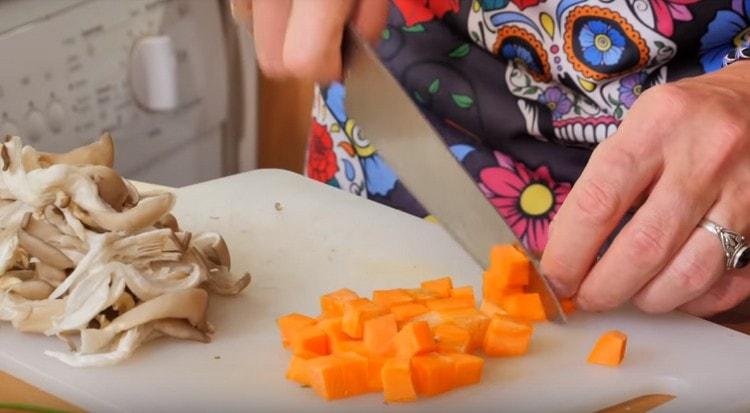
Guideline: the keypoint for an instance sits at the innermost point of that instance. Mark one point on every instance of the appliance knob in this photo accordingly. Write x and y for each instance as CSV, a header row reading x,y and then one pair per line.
x,y
153,73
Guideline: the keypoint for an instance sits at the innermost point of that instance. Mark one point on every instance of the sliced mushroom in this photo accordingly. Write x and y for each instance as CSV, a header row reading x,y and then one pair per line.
x,y
110,185
32,289
42,229
143,215
44,251
124,303
212,245
41,316
178,328
221,281
168,221
50,274
101,152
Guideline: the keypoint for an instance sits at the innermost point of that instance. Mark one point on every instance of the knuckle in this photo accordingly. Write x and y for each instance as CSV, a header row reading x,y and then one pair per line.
x,y
598,201
649,244
600,301
669,99
692,275
650,306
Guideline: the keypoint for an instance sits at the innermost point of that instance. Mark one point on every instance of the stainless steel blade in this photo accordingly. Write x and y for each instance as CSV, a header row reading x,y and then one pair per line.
x,y
425,165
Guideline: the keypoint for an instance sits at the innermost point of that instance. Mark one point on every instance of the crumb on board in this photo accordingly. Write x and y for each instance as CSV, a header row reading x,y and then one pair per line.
x,y
217,357
278,206
213,217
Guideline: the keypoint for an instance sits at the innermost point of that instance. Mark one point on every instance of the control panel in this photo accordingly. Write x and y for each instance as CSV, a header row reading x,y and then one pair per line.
x,y
151,72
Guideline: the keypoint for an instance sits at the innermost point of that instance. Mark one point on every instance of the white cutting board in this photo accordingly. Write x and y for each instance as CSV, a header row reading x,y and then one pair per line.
x,y
324,239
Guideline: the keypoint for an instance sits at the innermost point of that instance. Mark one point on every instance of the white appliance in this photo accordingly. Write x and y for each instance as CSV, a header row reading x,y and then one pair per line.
x,y
170,79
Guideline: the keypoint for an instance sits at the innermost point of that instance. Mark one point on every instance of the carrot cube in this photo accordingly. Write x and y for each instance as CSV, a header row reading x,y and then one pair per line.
x,y
374,373
290,324
441,287
351,346
356,312
332,328
332,304
509,268
405,312
356,369
297,371
397,381
310,341
507,336
414,338
452,339
469,319
326,377
433,374
390,298
609,350
468,368
465,292
527,306
568,305
378,334
451,303
491,309
421,295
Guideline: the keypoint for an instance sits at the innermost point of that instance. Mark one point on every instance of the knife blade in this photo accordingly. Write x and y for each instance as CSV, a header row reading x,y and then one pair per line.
x,y
641,404
396,127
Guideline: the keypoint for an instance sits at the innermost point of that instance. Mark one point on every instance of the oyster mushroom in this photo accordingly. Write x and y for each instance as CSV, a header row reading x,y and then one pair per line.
x,y
32,289
44,251
214,248
146,213
101,152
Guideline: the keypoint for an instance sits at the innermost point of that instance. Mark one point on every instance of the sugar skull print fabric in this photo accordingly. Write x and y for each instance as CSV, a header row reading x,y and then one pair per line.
x,y
522,90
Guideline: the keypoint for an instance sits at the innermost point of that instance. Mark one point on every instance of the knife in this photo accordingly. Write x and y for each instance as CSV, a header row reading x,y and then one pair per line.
x,y
395,127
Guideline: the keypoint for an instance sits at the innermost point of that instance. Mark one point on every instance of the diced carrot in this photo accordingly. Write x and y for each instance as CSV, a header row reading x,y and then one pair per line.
x,y
390,298
379,333
441,286
509,268
432,318
290,324
527,306
310,341
421,295
414,338
450,303
507,336
471,319
356,312
297,371
468,368
332,304
466,292
397,381
374,373
326,377
491,309
609,350
452,339
433,374
568,305
356,371
332,328
351,346
405,312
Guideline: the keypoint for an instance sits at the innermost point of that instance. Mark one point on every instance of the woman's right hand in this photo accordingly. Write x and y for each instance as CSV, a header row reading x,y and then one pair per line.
x,y
302,38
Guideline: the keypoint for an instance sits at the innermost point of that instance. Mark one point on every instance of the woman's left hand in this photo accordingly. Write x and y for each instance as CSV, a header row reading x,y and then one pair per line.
x,y
682,153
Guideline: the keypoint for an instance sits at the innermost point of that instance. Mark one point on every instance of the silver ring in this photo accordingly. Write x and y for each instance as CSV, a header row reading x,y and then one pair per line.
x,y
736,250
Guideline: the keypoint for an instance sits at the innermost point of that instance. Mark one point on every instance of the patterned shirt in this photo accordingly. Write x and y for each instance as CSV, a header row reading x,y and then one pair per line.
x,y
522,90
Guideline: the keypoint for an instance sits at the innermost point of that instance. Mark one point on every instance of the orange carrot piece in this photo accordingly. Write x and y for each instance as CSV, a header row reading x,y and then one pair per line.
x,y
390,298
414,338
609,350
290,324
466,292
355,368
441,286
568,305
491,309
509,268
405,312
332,304
356,312
374,373
378,335
420,295
451,303
507,336
332,328
310,341
468,368
527,306
351,346
469,319
433,374
452,339
326,377
397,381
297,371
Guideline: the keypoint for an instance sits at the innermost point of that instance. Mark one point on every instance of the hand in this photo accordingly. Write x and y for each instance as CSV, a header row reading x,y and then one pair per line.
x,y
682,153
302,38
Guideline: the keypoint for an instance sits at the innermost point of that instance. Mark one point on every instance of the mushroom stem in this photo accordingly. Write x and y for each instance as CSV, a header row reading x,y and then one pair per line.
x,y
145,214
32,289
101,152
45,252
